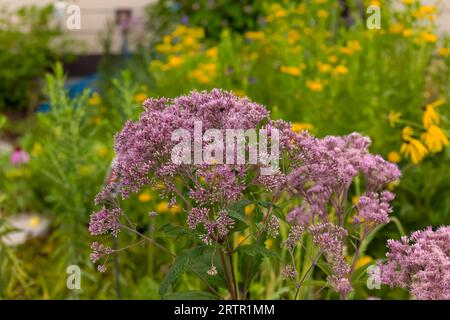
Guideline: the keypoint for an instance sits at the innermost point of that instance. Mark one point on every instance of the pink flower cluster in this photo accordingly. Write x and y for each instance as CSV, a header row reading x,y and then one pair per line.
x,y
420,263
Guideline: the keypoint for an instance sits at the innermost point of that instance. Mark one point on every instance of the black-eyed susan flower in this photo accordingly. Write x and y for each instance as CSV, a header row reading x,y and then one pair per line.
x,y
430,116
435,139
411,147
314,85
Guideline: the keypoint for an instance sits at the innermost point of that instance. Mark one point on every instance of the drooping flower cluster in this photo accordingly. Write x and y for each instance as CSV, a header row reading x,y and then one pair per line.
x,y
330,240
420,263
105,221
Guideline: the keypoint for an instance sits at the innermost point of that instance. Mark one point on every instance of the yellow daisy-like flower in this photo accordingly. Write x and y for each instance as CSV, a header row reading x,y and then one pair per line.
x,y
145,196
140,97
293,71
428,37
340,70
435,139
332,58
314,85
430,116
249,209
95,99
34,221
322,14
394,157
394,117
414,149
254,35
324,67
269,243
408,2
407,133
361,262
300,126
443,52
407,33
162,207
212,52
396,28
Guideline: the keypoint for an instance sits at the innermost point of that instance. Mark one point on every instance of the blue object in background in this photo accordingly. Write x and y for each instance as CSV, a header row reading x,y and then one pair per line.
x,y
74,88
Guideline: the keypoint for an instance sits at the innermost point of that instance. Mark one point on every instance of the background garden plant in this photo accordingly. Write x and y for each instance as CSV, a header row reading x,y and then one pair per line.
x,y
311,65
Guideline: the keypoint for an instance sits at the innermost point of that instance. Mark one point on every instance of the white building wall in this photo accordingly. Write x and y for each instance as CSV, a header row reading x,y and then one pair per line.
x,y
96,13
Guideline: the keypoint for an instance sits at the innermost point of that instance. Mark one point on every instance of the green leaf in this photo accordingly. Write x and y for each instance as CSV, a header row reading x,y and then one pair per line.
x,y
190,295
254,250
237,215
181,264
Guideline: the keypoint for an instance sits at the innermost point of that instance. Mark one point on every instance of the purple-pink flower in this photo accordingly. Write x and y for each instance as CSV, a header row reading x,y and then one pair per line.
x,y
420,263
19,156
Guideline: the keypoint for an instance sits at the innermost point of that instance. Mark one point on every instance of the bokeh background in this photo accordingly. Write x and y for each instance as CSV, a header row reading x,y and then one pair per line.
x,y
65,93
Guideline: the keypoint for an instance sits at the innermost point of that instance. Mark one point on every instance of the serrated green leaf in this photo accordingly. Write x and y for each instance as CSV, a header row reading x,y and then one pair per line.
x,y
254,250
181,264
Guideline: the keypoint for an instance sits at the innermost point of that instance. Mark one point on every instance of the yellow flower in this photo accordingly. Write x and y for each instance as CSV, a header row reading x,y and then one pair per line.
x,y
95,99
430,116
254,35
396,28
201,76
332,59
435,139
322,14
394,157
293,36
361,262
425,12
34,221
429,37
249,209
408,2
174,61
314,85
145,196
293,71
174,209
394,118
407,33
407,133
414,149
355,200
212,52
324,67
354,45
140,97
346,50
102,151
443,52
340,70
162,207
269,243
300,126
